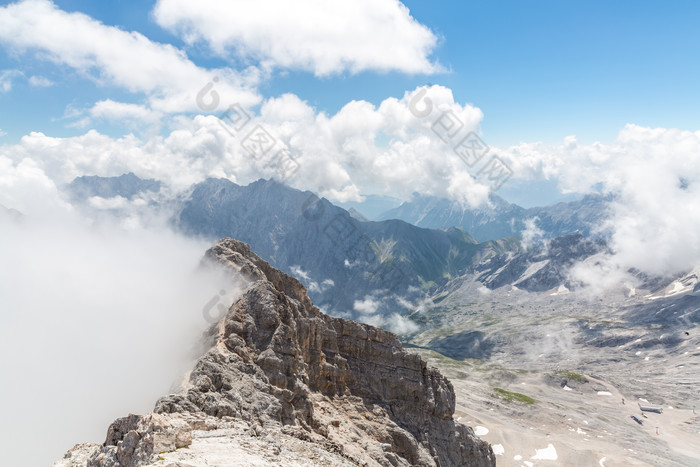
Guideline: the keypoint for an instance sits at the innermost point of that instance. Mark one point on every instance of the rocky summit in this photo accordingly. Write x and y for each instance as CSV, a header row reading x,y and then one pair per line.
x,y
284,384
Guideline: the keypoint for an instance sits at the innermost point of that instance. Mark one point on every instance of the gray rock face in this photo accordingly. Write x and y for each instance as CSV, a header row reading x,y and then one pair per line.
x,y
289,372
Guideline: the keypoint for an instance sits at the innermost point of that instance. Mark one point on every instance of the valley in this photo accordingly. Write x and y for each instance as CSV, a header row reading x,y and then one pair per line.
x,y
575,358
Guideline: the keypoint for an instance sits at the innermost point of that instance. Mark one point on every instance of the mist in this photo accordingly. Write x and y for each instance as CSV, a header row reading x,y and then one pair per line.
x,y
96,321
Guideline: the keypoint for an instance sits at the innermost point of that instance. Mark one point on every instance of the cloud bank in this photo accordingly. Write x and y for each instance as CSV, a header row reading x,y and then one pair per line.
x,y
363,148
98,319
96,322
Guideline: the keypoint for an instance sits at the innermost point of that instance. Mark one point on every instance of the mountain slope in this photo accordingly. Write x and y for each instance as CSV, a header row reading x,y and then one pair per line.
x,y
342,258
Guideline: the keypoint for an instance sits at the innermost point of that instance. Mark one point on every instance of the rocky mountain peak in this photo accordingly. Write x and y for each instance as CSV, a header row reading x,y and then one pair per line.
x,y
284,383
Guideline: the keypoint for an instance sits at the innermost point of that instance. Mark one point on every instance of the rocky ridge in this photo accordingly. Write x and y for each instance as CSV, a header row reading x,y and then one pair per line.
x,y
286,384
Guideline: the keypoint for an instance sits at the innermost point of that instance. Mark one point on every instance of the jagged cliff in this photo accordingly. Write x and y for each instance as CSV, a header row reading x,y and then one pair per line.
x,y
286,384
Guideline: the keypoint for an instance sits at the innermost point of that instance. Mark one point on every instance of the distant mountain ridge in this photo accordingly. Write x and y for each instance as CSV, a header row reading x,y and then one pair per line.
x,y
502,219
344,259
126,186
358,268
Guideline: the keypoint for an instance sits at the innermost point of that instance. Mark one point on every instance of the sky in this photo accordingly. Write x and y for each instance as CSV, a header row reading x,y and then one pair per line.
x,y
535,101
539,70
534,72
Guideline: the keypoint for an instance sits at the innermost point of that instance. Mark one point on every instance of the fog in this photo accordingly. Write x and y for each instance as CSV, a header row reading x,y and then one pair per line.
x,y
96,321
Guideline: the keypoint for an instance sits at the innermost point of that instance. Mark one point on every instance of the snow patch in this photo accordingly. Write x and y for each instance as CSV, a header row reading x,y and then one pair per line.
x,y
604,393
531,270
561,291
498,449
481,430
546,454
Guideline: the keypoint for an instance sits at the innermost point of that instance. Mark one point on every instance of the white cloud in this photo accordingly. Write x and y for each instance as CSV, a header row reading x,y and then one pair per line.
x,y
400,324
361,149
2,133
322,36
120,111
532,234
115,202
6,77
366,306
395,322
40,81
300,273
112,56
103,289
26,187
377,149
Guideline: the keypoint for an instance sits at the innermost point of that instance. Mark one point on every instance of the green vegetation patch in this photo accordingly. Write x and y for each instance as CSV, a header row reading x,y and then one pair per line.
x,y
514,396
573,376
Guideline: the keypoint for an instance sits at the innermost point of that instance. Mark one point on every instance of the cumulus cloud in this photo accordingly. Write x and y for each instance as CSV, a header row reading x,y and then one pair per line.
x,y
362,148
321,36
112,56
386,149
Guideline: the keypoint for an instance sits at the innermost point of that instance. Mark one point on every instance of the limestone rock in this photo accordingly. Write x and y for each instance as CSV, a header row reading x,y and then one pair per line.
x,y
296,387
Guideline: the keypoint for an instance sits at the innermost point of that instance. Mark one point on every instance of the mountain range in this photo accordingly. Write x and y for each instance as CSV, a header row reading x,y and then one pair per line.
x,y
127,186
540,366
354,267
342,259
499,218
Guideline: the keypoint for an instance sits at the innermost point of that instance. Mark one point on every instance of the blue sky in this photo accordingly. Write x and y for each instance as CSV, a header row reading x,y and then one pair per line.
x,y
538,71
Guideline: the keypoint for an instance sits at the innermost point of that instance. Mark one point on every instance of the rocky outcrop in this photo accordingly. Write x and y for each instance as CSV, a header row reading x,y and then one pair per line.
x,y
297,382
